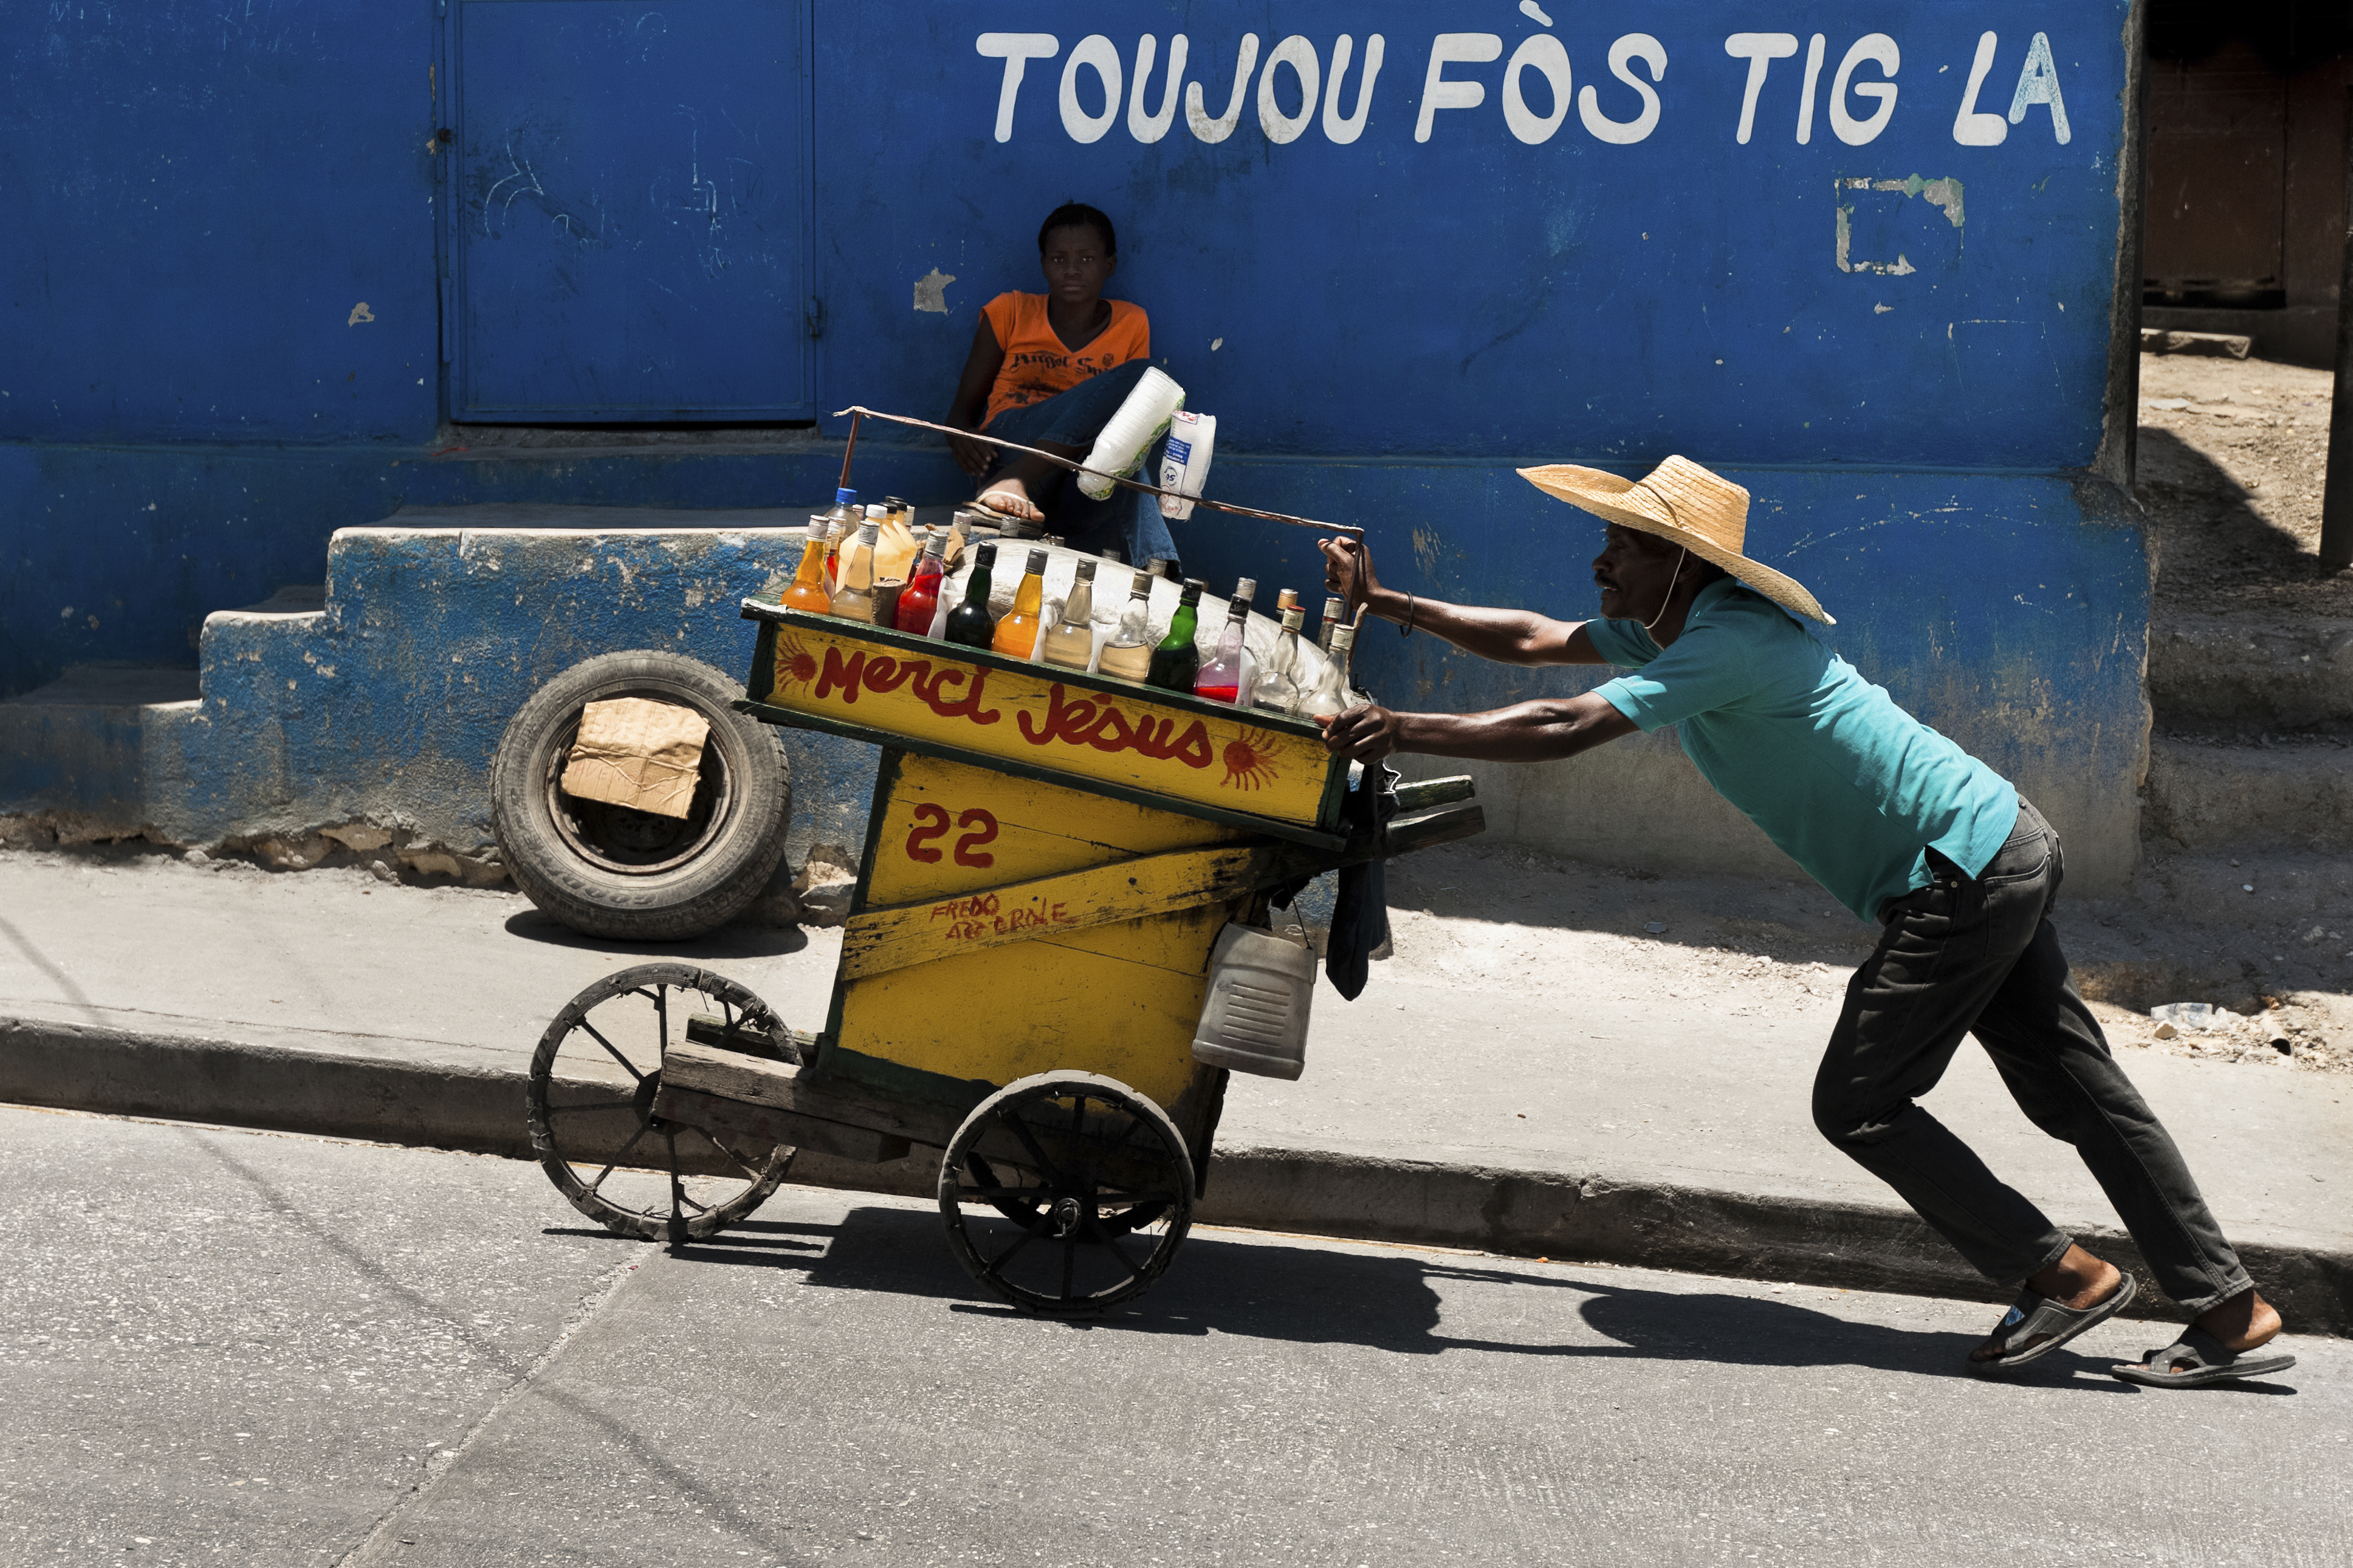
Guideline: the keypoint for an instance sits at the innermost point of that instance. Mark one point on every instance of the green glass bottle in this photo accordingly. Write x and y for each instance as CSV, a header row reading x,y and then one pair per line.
x,y
1176,660
970,624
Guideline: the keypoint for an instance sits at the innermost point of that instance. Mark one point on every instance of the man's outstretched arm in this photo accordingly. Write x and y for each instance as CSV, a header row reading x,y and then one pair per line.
x,y
1506,637
1525,733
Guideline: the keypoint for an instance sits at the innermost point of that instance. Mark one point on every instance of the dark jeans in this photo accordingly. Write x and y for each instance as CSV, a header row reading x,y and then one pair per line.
x,y
1074,418
1977,954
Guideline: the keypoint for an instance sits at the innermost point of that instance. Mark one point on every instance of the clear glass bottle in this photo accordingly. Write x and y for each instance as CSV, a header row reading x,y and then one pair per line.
x,y
919,606
1017,634
1177,660
1220,680
1330,696
853,591
1334,607
969,624
808,590
1128,655
1276,690
1070,641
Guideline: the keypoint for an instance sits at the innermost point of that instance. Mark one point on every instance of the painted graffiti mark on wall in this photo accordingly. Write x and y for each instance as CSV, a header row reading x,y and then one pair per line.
x,y
1860,101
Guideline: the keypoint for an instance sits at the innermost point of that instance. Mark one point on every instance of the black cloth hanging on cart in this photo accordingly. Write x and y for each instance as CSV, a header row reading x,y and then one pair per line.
x,y
1360,910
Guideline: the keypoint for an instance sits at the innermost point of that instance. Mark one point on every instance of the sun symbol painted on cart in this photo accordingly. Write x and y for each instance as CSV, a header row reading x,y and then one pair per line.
x,y
1248,767
796,666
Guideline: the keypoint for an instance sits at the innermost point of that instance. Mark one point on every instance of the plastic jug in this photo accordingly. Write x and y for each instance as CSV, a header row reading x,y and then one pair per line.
x,y
1256,1017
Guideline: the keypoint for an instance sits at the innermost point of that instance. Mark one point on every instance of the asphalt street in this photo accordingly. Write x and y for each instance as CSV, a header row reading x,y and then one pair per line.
x,y
226,1347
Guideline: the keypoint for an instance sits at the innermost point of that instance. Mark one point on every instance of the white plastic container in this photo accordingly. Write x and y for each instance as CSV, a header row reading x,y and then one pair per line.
x,y
1185,465
1256,1019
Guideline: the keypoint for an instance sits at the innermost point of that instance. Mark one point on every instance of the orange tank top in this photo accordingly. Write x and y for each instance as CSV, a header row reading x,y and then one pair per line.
x,y
1037,365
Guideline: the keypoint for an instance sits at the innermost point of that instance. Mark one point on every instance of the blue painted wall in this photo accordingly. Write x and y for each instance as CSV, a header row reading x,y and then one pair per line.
x,y
1899,337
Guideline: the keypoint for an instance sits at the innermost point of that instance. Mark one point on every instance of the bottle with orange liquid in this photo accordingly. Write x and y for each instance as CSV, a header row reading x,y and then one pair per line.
x,y
1017,634
808,591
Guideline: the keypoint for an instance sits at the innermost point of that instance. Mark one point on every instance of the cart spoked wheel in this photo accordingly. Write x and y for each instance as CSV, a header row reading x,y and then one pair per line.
x,y
591,1095
1066,1193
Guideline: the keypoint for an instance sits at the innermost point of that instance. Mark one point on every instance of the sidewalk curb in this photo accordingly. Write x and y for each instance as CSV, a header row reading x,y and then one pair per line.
x,y
1321,1192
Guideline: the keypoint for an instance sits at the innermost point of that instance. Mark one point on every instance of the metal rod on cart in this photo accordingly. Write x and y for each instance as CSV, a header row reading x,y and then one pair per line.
x,y
843,482
855,411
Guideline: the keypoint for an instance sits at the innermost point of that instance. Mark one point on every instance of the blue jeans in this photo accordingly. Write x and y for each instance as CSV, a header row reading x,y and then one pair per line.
x,y
1074,418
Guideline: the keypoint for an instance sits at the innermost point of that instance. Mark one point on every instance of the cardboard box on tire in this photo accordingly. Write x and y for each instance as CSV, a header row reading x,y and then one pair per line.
x,y
631,800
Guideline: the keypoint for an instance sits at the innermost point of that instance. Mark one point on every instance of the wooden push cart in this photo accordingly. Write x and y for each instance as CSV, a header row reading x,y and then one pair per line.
x,y
1050,858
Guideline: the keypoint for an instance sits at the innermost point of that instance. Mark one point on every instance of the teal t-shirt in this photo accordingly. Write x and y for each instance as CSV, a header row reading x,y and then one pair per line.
x,y
1850,786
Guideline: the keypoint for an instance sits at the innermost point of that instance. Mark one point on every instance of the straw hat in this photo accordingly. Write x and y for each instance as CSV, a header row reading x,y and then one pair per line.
x,y
1687,505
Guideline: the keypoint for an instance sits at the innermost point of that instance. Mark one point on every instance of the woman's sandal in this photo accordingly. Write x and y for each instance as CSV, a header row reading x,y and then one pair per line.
x,y
2032,1315
2197,1357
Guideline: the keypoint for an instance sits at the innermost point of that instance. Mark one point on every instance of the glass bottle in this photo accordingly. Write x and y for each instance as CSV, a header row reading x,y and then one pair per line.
x,y
853,593
1219,681
1276,690
1071,642
1128,655
1017,634
1176,660
808,591
969,624
1330,696
1333,608
919,606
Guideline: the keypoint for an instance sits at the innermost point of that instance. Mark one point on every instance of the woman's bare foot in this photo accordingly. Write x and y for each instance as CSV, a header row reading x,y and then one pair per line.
x,y
2242,1323
1008,497
2077,1281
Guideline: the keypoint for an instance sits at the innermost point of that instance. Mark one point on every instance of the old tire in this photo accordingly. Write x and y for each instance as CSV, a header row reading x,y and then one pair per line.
x,y
610,871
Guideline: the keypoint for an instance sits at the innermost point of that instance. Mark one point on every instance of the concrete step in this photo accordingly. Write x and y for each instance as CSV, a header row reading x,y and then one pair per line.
x,y
2216,793
2229,676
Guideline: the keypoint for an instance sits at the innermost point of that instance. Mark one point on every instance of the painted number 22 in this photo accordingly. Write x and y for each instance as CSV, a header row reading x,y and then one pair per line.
x,y
932,822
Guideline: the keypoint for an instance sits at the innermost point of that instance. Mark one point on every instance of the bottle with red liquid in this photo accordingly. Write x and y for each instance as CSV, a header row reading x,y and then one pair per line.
x,y
1220,678
919,605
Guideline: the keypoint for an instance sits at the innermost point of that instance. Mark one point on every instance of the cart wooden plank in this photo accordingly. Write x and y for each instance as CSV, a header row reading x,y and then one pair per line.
x,y
1082,729
887,938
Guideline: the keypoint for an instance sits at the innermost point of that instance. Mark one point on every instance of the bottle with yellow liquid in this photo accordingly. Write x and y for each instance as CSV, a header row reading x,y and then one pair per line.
x,y
808,591
1070,641
853,595
1017,634
1128,655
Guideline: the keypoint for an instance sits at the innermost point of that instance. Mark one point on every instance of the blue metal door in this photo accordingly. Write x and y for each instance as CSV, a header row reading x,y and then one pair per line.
x,y
630,223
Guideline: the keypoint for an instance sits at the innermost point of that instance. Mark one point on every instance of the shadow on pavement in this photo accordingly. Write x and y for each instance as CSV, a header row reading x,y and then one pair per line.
x,y
1265,1289
737,940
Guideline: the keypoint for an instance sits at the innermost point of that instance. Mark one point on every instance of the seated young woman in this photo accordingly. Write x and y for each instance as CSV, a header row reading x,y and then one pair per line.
x,y
1049,371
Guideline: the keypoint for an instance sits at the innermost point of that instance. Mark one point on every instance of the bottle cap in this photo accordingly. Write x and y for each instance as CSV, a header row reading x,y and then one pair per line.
x,y
1293,617
845,497
870,531
893,502
985,553
1342,635
1159,567
1246,589
1334,606
1112,556
1037,567
816,527
1287,599
1192,594
878,512
934,542
1086,571
1141,583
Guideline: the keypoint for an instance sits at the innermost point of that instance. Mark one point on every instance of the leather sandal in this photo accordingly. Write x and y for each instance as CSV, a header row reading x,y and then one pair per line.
x,y
2036,1325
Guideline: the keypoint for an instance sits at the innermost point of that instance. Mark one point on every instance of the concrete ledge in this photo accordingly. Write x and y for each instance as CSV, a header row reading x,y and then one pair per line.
x,y
445,1103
